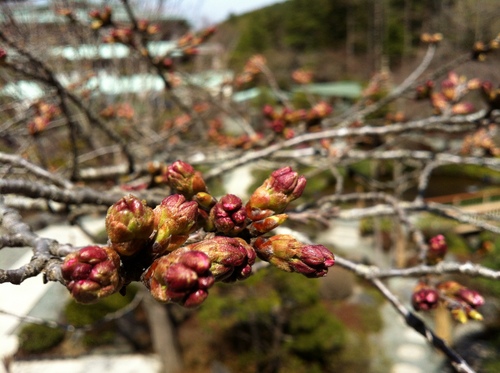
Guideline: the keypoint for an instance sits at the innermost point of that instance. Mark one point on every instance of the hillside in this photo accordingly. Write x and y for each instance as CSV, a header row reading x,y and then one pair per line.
x,y
349,38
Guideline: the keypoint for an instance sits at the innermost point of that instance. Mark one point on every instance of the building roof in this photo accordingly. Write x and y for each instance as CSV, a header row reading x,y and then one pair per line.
x,y
345,89
42,12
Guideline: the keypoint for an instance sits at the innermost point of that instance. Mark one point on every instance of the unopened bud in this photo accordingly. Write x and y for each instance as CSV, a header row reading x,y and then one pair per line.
x,y
181,277
265,225
129,223
91,273
231,258
437,249
290,255
471,297
174,219
228,215
273,196
185,179
459,315
424,298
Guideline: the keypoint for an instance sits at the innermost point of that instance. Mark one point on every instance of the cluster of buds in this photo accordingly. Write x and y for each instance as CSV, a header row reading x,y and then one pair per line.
x,y
480,49
44,114
427,38
124,111
92,273
424,297
436,250
122,35
188,43
149,244
461,301
231,257
180,123
145,26
228,215
253,67
483,142
449,99
217,135
190,40
183,277
101,18
282,121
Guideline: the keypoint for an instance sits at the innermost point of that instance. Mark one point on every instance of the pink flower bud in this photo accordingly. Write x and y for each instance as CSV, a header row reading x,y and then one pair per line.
x,y
181,277
231,258
174,220
471,297
290,255
268,112
424,298
205,200
228,215
129,223
260,227
462,108
184,179
437,249
462,294
92,273
274,195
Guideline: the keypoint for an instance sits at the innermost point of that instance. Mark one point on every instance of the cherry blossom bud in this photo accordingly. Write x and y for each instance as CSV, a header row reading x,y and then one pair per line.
x,y
265,225
228,215
439,102
474,315
129,223
231,258
181,277
268,112
92,273
424,91
459,314
461,293
290,255
274,195
174,220
320,110
462,108
185,179
205,200
471,297
437,249
424,298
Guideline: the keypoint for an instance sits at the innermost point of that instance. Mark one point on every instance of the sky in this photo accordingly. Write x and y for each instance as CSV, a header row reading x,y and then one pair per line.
x,y
203,13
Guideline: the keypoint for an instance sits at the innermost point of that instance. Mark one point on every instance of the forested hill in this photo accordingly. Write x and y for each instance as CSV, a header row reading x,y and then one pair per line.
x,y
358,27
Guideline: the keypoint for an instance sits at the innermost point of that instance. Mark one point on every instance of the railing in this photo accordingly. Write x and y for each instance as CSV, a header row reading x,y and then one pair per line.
x,y
483,197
